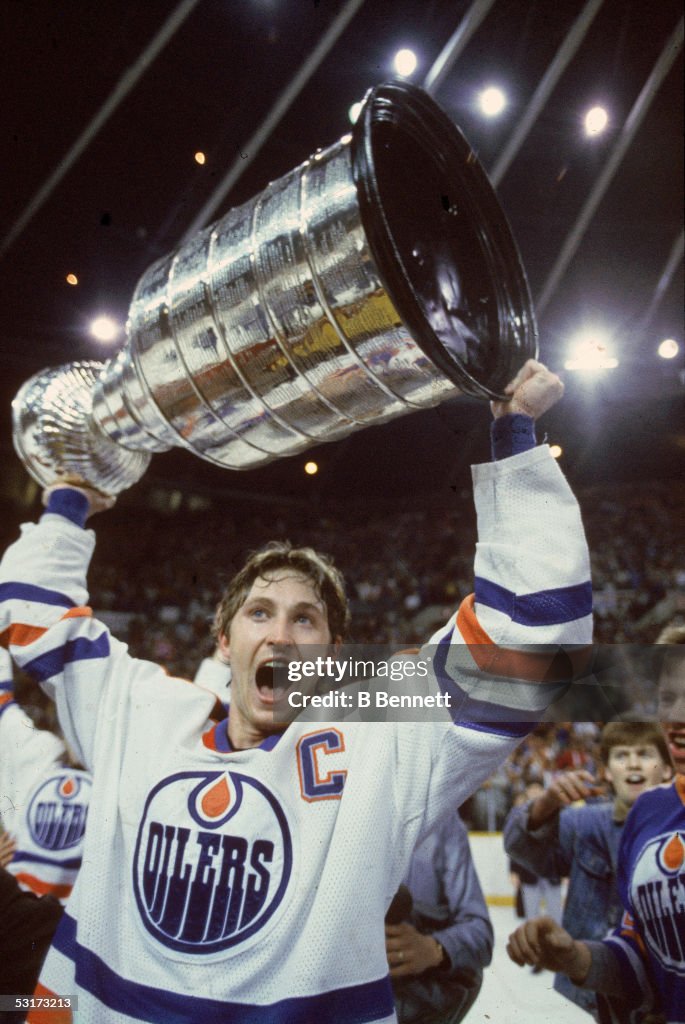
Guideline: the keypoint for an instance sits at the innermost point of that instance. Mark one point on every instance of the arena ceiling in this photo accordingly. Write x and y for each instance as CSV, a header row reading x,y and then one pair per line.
x,y
100,180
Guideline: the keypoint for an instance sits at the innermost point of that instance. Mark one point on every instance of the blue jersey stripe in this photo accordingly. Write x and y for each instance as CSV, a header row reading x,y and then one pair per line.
x,y
21,855
358,1004
486,716
509,730
52,662
544,608
28,592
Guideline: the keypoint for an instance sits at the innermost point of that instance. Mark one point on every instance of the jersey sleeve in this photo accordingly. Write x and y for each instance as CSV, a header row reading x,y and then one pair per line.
x,y
26,752
51,632
517,642
618,970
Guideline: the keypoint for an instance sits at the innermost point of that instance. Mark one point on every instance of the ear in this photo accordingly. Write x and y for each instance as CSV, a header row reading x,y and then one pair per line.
x,y
337,644
224,648
667,773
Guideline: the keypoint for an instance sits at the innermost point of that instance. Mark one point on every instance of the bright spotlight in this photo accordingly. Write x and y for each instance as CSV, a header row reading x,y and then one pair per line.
x,y
589,351
104,329
311,468
556,451
200,158
492,101
669,348
71,279
354,112
405,63
596,121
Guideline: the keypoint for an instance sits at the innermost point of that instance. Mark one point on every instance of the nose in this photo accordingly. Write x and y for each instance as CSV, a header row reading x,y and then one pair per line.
x,y
280,632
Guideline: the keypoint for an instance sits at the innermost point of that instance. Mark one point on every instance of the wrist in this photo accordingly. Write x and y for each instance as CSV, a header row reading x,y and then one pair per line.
x,y
541,810
579,964
442,960
511,434
70,503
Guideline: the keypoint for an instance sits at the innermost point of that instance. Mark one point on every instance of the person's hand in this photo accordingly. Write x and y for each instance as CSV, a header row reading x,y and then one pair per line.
x,y
533,391
564,790
541,942
97,501
408,951
8,845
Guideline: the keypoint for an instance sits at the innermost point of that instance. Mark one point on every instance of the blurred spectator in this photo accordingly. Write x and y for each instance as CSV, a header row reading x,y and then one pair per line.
x,y
538,888
28,924
437,955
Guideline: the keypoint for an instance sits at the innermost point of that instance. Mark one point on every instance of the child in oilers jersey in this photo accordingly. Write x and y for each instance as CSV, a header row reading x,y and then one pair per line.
x,y
640,968
232,858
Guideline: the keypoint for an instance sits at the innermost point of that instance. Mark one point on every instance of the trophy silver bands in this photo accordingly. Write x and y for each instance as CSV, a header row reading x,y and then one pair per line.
x,y
378,278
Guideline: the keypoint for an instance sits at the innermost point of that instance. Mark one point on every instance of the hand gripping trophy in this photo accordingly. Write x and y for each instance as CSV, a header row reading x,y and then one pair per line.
x,y
377,278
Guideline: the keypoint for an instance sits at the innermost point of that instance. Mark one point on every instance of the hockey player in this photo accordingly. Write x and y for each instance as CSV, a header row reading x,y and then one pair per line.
x,y
225,865
45,799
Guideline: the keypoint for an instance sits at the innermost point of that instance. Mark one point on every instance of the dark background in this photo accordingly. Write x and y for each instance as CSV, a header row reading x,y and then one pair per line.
x,y
136,188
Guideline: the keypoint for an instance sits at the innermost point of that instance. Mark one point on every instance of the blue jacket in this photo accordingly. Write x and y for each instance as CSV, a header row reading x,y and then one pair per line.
x,y
580,843
448,903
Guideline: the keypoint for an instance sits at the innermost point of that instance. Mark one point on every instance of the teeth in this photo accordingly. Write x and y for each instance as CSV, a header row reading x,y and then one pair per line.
x,y
265,676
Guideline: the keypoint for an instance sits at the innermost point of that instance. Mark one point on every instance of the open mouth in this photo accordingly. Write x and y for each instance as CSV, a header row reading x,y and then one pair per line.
x,y
272,680
676,741
635,779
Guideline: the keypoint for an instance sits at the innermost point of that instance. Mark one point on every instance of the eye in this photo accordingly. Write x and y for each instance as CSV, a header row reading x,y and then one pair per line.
x,y
258,613
304,618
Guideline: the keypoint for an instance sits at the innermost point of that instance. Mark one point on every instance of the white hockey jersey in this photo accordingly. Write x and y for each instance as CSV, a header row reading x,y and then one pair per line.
x,y
249,887
26,753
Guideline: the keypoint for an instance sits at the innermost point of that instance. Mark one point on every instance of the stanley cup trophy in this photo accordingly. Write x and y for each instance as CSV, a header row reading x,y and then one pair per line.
x,y
378,278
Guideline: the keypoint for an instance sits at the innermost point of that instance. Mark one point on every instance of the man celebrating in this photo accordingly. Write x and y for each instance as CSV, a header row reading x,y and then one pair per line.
x,y
226,865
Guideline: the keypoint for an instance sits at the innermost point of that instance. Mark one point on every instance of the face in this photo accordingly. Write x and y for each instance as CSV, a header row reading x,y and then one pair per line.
x,y
634,769
672,708
281,620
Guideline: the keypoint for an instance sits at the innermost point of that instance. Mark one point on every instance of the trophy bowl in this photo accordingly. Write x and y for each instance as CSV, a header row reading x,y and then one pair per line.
x,y
377,278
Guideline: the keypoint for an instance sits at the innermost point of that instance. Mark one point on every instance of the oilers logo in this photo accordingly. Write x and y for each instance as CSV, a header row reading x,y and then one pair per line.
x,y
201,887
658,893
58,811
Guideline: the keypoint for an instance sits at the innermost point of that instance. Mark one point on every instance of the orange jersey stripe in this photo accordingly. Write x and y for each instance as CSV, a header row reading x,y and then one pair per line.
x,y
44,888
19,634
680,786
53,1015
81,612
534,667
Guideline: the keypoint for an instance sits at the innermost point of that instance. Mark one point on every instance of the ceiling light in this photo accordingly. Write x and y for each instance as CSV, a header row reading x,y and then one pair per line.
x,y
492,101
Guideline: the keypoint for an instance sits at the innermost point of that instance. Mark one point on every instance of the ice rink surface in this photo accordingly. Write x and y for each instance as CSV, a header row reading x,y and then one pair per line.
x,y
513,995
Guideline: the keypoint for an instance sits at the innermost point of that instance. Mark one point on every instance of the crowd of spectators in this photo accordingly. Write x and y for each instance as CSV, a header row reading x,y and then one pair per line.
x,y
156,578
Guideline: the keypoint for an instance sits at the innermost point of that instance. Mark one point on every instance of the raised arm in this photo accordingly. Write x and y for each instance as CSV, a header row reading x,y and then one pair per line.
x,y
532,835
529,619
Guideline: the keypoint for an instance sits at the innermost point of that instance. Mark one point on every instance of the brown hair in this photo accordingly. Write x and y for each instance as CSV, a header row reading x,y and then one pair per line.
x,y
326,579
632,734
